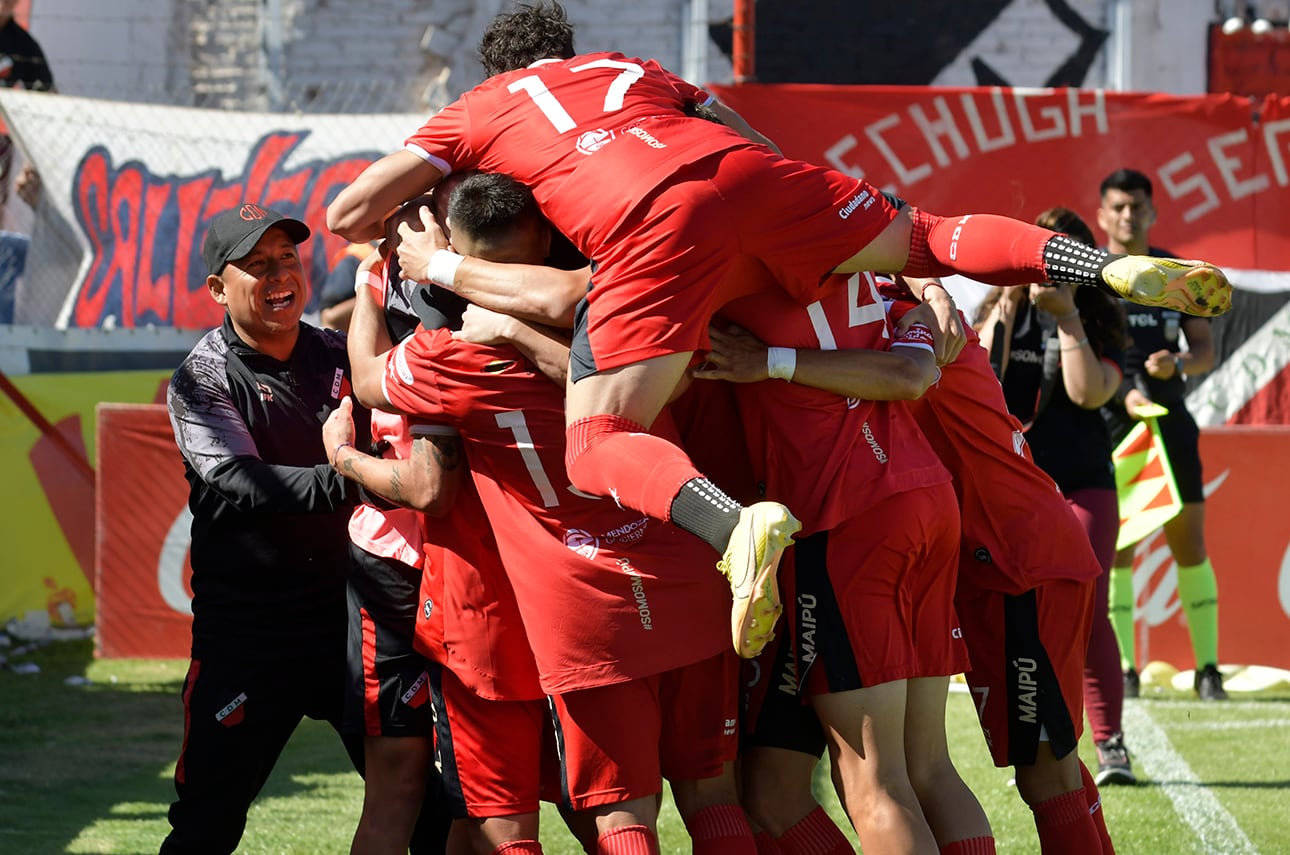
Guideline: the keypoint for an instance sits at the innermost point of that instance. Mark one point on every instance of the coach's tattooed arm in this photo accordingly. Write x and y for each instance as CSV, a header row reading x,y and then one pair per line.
x,y
426,481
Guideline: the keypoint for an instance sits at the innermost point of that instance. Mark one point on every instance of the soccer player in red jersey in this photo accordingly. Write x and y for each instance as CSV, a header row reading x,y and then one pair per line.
x,y
639,687
488,705
875,632
689,197
1021,599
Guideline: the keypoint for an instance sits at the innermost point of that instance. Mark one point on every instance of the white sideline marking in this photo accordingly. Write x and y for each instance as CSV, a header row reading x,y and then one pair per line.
x,y
1265,723
1194,803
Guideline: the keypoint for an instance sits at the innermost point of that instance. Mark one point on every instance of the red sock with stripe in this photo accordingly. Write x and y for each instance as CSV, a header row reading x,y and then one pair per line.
x,y
614,457
766,845
1094,801
721,830
987,247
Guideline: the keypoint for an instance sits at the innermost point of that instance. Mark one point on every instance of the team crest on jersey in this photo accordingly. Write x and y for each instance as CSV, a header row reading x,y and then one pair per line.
x,y
593,141
582,542
266,394
1018,443
427,608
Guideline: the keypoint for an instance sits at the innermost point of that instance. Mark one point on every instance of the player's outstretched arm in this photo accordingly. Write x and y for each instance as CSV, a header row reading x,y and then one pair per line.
x,y
545,347
427,481
368,344
533,292
898,375
359,211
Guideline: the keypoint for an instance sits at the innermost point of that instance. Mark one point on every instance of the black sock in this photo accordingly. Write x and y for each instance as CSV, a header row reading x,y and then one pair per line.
x,y
1068,261
704,511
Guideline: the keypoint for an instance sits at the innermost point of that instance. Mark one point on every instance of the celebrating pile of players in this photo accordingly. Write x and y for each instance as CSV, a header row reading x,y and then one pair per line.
x,y
622,382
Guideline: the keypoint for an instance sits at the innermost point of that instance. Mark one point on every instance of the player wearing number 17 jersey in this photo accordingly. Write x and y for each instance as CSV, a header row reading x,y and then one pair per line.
x,y
689,197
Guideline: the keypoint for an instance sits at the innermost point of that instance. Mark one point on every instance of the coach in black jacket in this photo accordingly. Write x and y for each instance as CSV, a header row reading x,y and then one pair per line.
x,y
269,536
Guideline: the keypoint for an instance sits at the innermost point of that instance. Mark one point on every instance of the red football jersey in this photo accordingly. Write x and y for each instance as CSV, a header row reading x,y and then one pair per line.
x,y
475,616
606,594
1017,528
826,457
569,129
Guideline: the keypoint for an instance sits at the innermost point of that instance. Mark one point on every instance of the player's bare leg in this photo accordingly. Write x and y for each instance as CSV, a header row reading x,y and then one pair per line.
x,y
610,453
866,734
953,812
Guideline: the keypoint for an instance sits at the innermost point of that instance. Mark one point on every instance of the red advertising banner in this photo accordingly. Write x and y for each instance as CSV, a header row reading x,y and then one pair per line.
x,y
1220,163
1247,532
142,521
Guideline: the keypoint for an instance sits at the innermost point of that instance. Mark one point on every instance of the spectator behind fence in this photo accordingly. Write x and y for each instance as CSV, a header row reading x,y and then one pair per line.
x,y
1155,364
22,66
270,527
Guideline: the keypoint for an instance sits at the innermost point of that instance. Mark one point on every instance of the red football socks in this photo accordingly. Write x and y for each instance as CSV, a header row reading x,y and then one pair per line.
x,y
1065,826
1094,801
519,847
721,830
971,846
611,456
815,834
989,248
766,844
627,840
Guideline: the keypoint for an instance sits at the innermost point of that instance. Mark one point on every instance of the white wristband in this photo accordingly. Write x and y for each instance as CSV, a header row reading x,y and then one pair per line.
x,y
370,278
781,362
442,269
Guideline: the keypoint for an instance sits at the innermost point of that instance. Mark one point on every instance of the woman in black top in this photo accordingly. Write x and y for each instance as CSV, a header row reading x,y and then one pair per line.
x,y
1058,351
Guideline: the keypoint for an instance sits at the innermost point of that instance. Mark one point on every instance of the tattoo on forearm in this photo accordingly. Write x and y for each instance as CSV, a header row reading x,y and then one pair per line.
x,y
392,489
447,452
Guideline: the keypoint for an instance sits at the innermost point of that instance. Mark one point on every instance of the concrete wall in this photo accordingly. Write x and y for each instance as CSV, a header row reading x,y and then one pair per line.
x,y
397,55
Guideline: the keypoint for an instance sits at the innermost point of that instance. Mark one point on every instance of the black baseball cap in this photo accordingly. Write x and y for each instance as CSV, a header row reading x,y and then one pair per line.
x,y
235,232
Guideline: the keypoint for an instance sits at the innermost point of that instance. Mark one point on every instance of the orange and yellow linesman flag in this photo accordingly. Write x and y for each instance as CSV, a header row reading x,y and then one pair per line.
x,y
1144,480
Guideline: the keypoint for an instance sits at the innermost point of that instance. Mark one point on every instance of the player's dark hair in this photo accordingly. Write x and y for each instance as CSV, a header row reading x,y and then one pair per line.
x,y
1126,181
488,205
521,37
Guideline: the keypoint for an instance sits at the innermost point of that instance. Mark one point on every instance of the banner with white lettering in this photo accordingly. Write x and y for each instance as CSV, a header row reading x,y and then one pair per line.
x,y
1218,162
1220,166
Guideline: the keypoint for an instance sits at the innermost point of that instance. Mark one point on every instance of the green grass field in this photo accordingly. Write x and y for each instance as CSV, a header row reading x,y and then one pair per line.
x,y
86,768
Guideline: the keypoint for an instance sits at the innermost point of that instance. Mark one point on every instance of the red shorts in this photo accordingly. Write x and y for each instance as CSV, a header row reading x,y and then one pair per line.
x,y
875,595
618,742
1027,674
493,754
663,272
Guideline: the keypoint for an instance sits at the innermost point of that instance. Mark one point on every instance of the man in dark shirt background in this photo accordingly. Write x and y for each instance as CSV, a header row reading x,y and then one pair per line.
x,y
1155,364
